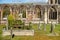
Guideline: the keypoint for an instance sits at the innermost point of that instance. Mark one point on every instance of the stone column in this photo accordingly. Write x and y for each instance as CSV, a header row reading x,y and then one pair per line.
x,y
42,14
57,1
46,15
49,1
53,1
17,13
10,10
26,13
1,14
57,14
33,13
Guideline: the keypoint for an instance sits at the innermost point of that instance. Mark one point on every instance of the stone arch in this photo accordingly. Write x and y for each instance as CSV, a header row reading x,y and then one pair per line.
x,y
38,10
52,13
6,11
22,11
51,1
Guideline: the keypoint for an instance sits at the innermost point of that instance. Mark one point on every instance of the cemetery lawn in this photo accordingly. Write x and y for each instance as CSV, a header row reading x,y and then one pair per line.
x,y
39,34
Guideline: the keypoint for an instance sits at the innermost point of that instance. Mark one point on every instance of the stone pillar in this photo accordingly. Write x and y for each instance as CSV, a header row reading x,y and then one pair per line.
x,y
57,1
33,13
42,15
53,1
17,13
26,13
46,15
49,1
10,10
1,14
57,15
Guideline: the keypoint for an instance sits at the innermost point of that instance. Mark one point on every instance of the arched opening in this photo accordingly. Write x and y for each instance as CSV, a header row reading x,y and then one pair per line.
x,y
55,1
58,1
24,14
39,12
22,11
53,13
6,11
51,1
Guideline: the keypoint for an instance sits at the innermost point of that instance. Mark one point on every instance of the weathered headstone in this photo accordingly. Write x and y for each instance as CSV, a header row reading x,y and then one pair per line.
x,y
52,28
44,26
13,35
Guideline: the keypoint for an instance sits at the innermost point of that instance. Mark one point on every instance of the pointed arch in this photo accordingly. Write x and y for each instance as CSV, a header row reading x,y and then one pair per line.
x,y
6,11
53,13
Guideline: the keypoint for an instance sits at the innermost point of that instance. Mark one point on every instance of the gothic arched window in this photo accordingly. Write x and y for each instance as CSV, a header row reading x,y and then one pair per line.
x,y
53,14
58,1
6,11
51,1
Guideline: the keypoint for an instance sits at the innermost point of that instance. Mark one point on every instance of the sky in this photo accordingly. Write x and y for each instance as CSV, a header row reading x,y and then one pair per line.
x,y
22,1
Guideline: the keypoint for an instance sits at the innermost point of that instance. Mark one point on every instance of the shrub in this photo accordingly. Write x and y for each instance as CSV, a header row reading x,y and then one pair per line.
x,y
30,26
23,25
20,22
2,26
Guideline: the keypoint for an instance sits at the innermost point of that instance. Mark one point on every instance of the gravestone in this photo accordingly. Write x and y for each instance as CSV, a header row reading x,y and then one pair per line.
x,y
52,27
13,35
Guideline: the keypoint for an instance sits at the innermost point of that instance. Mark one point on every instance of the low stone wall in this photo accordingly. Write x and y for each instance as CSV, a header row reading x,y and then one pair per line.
x,y
19,32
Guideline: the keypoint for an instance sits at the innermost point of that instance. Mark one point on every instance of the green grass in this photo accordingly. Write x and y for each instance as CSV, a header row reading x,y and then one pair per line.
x,y
39,34
48,27
35,27
57,28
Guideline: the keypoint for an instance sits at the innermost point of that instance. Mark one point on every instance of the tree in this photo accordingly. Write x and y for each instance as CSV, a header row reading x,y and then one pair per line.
x,y
10,20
